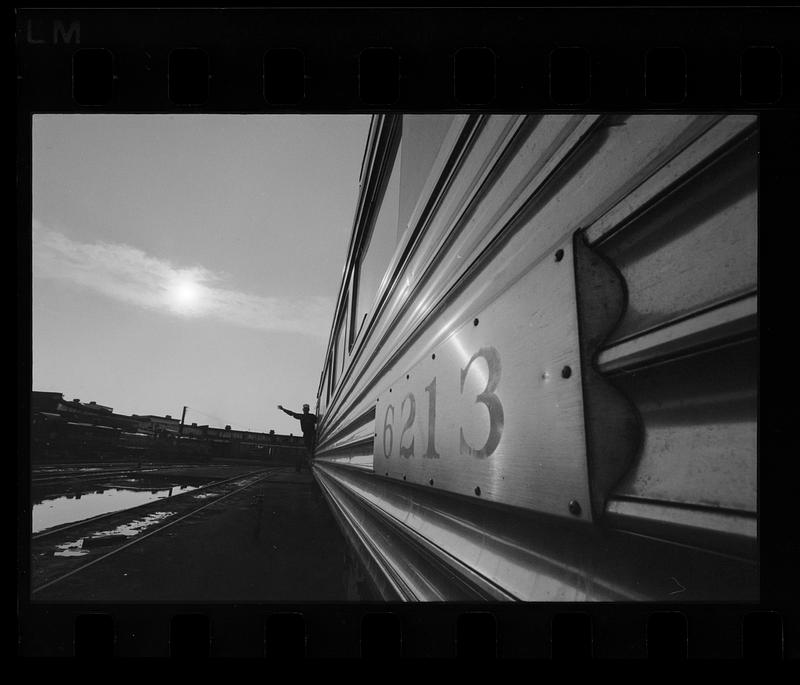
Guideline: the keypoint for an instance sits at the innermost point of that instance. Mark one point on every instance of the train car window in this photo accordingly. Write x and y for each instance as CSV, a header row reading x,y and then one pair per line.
x,y
329,389
342,344
423,135
323,394
377,250
334,374
355,323
338,353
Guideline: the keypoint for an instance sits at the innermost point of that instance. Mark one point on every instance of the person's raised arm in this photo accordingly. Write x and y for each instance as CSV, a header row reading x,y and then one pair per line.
x,y
290,413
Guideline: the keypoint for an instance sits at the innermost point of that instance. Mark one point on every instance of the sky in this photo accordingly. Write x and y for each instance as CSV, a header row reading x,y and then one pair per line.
x,y
190,260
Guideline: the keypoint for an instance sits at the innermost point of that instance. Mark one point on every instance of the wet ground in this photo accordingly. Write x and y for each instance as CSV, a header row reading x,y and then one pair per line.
x,y
68,493
92,500
261,538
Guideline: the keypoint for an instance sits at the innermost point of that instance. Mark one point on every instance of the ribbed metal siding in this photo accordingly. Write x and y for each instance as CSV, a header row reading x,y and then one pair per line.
x,y
686,351
671,202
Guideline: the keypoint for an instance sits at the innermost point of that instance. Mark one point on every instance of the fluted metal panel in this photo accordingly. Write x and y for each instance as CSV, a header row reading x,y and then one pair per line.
x,y
668,203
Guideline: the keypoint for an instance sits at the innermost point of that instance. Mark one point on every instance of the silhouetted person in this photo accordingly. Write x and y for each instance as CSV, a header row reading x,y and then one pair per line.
x,y
308,424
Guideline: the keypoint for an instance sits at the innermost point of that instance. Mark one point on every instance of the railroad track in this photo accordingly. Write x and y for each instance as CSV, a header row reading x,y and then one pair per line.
x,y
137,539
92,475
93,519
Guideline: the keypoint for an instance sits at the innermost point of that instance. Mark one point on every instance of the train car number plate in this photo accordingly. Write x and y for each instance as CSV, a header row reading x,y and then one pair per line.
x,y
496,410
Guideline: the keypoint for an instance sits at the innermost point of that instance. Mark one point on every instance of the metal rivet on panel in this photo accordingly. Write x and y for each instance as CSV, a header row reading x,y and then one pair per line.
x,y
574,507
566,372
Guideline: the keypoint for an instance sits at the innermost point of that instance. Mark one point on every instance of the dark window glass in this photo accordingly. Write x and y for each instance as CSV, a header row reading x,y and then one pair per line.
x,y
323,395
423,135
340,348
378,248
334,375
329,381
342,345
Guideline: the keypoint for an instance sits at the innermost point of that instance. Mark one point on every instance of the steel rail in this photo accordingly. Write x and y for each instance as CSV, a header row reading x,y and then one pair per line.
x,y
46,466
88,475
99,517
140,538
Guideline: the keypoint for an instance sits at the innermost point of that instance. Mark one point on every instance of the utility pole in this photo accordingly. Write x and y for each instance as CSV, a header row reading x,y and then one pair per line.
x,y
183,416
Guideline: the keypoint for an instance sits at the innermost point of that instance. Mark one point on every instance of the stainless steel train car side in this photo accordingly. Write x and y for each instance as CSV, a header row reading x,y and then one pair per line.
x,y
541,379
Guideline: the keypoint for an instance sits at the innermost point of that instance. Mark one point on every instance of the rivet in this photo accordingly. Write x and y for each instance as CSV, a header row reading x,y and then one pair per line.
x,y
559,255
478,491
475,322
574,507
566,372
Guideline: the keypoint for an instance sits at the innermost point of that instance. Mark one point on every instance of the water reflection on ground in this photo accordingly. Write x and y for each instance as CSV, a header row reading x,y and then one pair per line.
x,y
205,495
80,505
76,548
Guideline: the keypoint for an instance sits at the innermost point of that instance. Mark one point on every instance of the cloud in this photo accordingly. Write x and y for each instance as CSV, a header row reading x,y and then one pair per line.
x,y
129,275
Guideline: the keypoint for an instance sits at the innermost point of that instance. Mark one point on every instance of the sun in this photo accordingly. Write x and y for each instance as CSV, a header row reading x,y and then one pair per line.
x,y
185,295
186,292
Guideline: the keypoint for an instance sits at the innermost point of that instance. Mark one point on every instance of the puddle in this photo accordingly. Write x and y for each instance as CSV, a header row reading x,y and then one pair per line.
x,y
137,526
205,495
76,548
71,549
133,484
59,510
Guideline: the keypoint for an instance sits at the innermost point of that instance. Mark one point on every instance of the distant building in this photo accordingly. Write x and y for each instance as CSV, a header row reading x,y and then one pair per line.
x,y
79,412
55,402
51,406
153,425
46,401
80,408
195,431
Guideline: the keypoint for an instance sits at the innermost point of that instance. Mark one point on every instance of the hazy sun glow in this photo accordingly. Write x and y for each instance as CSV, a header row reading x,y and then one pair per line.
x,y
185,295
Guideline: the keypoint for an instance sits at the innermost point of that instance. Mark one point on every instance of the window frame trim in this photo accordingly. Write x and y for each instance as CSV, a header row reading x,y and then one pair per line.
x,y
389,157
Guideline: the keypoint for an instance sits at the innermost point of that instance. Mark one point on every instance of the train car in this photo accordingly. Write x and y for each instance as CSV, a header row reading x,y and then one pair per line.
x,y
135,446
193,448
54,437
47,431
541,376
89,441
137,440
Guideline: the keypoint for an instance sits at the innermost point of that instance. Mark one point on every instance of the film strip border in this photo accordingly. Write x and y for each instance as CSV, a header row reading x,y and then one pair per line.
x,y
406,632
427,60
327,60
